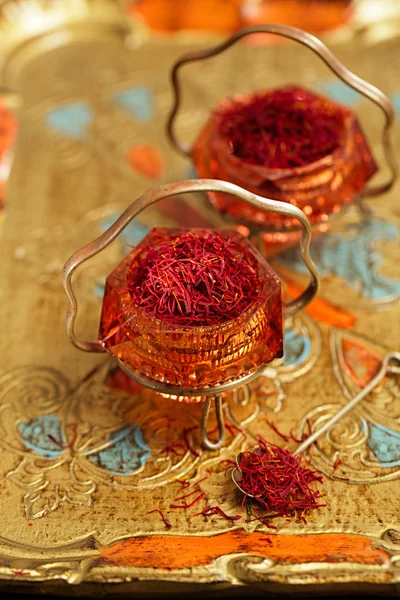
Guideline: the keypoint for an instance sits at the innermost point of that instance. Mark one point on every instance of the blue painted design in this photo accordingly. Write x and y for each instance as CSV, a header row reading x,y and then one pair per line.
x,y
338,91
126,453
71,120
296,347
353,257
192,172
395,100
35,434
99,287
132,234
137,101
384,444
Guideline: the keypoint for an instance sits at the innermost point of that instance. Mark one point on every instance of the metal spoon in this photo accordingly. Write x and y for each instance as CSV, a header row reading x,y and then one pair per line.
x,y
385,368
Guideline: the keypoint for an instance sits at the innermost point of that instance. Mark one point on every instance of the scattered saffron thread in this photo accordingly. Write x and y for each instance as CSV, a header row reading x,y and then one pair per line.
x,y
187,441
190,504
74,428
337,463
166,523
172,448
186,495
209,511
291,437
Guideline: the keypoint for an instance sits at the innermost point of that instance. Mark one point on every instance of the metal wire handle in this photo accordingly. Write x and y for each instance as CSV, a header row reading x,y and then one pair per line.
x,y
174,189
314,44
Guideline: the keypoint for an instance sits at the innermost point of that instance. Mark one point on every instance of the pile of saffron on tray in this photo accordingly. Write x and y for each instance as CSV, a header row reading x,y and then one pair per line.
x,y
279,482
194,278
283,129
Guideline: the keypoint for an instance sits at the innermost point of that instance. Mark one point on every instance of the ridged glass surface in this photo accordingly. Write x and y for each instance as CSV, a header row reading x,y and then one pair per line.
x,y
192,357
319,188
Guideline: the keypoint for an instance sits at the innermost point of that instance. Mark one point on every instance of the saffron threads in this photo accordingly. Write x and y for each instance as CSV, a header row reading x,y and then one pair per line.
x,y
209,511
186,495
74,429
187,484
290,436
190,504
283,129
166,523
278,481
232,430
187,441
194,278
338,462
179,447
172,448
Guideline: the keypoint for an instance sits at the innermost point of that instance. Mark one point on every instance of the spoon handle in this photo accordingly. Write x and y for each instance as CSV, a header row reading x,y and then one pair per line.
x,y
384,369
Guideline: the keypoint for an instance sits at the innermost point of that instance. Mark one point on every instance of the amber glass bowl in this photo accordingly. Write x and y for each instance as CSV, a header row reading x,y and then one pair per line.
x,y
320,188
191,356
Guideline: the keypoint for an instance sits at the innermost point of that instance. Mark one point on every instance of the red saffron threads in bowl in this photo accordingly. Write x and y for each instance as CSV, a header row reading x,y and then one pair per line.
x,y
194,279
282,129
279,481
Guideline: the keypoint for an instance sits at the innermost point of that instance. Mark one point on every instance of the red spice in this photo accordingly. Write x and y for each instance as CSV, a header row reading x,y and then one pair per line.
x,y
275,428
187,484
166,523
187,441
279,481
74,428
232,429
190,504
186,495
282,129
263,519
196,279
172,448
209,511
290,437
179,447
337,463
184,484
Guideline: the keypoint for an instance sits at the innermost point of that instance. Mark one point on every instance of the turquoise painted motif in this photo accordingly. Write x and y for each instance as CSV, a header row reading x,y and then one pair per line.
x,y
137,101
126,454
132,234
395,100
384,444
296,348
39,435
71,120
338,91
353,257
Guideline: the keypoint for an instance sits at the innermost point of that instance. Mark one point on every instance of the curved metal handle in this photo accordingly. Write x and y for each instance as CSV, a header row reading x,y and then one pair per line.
x,y
314,44
205,440
175,189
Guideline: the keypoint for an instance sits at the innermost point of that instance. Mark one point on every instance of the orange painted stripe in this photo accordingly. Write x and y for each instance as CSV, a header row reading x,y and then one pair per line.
x,y
178,551
322,310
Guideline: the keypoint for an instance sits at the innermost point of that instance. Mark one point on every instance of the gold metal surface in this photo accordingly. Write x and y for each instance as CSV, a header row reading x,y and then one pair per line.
x,y
70,520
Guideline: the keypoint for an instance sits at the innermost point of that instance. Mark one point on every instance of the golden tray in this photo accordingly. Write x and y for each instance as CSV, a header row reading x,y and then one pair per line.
x,y
82,462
